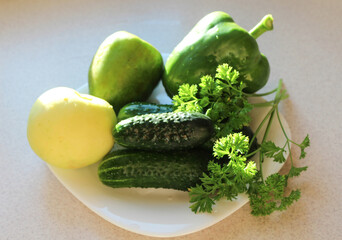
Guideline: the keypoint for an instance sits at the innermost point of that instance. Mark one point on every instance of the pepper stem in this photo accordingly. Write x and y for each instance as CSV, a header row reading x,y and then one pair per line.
x,y
266,24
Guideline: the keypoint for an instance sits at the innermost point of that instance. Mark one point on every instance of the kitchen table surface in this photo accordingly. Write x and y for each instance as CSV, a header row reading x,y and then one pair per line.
x,y
45,44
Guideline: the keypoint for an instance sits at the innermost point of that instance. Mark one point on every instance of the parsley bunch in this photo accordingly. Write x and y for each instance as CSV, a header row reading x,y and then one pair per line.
x,y
223,100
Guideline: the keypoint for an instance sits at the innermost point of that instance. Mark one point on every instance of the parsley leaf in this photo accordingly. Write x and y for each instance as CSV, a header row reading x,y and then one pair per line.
x,y
187,93
268,197
303,146
273,151
296,171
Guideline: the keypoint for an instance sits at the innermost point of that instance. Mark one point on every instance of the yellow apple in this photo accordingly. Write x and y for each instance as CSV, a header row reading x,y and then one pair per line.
x,y
70,130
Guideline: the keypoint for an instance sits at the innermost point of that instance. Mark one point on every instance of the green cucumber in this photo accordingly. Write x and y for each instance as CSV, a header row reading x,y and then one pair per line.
x,y
178,170
164,131
141,108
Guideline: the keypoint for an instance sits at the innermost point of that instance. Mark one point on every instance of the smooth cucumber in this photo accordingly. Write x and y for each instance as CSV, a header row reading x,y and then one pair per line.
x,y
142,108
178,170
164,131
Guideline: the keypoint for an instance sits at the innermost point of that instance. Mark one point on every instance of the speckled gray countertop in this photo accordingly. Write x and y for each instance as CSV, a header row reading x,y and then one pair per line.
x,y
45,44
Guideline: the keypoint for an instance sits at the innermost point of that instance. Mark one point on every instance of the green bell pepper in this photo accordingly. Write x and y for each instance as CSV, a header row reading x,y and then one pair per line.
x,y
217,39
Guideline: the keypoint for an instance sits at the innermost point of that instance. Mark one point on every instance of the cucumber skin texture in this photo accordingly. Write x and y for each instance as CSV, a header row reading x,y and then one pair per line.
x,y
177,170
141,108
164,131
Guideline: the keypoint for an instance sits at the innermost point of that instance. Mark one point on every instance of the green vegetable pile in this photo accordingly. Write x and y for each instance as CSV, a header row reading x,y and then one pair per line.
x,y
211,76
223,100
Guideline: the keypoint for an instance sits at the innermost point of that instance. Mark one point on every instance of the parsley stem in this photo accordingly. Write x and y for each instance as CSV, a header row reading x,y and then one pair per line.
x,y
274,109
294,143
254,152
287,138
268,127
281,125
263,104
268,116
260,94
264,139
230,86
259,127
261,159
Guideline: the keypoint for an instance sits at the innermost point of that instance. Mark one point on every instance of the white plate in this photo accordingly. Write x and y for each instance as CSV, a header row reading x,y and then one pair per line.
x,y
156,212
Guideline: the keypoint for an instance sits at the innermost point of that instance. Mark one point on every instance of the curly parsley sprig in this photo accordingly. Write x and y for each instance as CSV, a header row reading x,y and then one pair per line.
x,y
223,100
225,181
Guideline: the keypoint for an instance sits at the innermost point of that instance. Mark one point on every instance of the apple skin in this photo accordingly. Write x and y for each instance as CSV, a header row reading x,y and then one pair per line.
x,y
70,130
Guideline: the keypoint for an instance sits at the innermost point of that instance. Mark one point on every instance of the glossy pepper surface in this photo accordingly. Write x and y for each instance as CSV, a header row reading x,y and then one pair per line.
x,y
214,40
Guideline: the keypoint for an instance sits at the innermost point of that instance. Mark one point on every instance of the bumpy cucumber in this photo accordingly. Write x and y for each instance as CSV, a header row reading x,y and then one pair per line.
x,y
141,108
164,131
178,170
